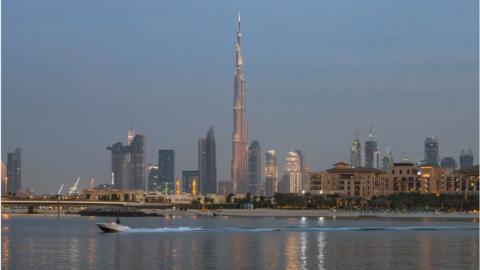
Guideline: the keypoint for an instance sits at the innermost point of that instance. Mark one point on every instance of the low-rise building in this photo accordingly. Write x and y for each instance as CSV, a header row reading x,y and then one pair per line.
x,y
107,194
403,177
342,179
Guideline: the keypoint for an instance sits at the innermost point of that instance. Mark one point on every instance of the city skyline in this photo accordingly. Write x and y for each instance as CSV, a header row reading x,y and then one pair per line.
x,y
266,84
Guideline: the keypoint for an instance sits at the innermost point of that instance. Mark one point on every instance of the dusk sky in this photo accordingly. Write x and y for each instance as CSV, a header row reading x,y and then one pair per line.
x,y
77,74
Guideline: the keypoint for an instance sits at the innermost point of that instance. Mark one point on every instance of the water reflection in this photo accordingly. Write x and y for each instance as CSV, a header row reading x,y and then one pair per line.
x,y
303,250
5,251
321,250
92,253
291,251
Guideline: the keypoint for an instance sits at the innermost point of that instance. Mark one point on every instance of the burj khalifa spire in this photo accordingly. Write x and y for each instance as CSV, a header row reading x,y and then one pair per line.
x,y
240,133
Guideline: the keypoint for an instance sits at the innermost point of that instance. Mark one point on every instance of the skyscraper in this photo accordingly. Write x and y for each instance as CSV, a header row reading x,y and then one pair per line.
x,y
387,160
292,180
14,172
356,154
271,173
128,163
466,159
370,150
166,170
207,163
239,166
431,151
254,168
153,184
4,178
187,180
138,165
119,165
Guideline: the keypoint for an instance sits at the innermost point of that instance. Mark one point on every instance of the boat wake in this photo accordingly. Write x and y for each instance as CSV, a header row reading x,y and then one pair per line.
x,y
295,229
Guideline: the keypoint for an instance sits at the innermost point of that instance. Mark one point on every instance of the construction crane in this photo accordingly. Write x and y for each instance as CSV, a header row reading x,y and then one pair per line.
x,y
73,190
60,190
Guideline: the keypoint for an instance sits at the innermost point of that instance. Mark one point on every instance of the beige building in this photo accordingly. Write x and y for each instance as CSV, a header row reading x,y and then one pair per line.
x,y
346,181
461,181
403,177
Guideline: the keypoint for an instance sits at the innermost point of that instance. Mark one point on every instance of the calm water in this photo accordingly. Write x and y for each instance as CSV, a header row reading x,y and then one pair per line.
x,y
238,243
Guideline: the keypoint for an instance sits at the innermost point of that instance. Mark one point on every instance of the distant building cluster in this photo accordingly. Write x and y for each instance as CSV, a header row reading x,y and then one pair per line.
x,y
371,172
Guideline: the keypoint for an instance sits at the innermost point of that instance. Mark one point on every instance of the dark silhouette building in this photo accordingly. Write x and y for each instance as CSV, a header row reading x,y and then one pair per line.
x,y
448,163
431,151
207,163
254,168
129,168
466,159
166,170
14,172
370,149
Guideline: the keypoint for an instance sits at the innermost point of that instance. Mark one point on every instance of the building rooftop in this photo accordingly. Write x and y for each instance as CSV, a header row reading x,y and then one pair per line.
x,y
472,171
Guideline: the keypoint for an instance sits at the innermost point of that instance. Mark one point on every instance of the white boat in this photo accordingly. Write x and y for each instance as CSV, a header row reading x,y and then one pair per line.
x,y
112,227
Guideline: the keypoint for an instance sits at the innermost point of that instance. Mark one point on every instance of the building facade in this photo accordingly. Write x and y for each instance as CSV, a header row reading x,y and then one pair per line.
x,y
254,168
431,151
448,163
153,183
292,178
207,163
271,173
188,177
239,165
14,172
225,188
466,159
356,154
166,170
370,152
129,168
356,183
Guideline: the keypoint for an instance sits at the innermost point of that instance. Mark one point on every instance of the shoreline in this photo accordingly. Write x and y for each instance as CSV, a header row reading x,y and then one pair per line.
x,y
285,213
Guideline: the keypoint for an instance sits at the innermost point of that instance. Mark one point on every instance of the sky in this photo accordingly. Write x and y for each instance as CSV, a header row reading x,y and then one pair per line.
x,y
77,74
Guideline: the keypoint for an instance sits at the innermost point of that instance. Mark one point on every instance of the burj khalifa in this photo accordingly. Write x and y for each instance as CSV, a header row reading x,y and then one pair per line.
x,y
240,132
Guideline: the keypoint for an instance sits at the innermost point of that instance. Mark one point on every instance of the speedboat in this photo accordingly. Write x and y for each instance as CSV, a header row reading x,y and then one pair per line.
x,y
112,227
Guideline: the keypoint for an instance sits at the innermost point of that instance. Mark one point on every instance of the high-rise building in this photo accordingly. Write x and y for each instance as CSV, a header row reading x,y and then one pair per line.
x,y
14,172
377,160
153,184
166,170
387,160
239,166
370,150
188,176
129,168
225,188
271,173
119,165
254,168
138,165
356,154
292,180
303,168
4,178
448,163
207,163
431,151
466,159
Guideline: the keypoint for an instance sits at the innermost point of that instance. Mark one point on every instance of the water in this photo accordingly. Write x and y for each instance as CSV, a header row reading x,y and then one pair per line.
x,y
238,243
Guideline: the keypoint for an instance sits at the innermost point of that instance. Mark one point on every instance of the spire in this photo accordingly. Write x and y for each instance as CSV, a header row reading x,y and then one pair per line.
x,y
370,135
239,62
